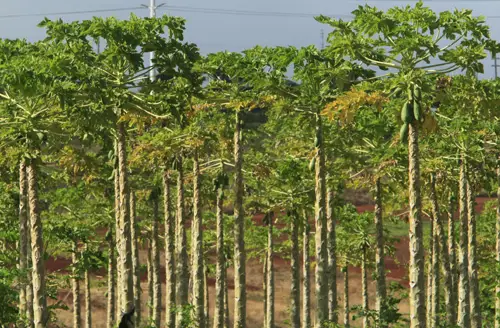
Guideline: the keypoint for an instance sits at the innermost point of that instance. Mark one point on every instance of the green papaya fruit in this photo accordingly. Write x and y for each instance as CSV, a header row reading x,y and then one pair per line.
x,y
417,110
406,113
403,133
312,164
410,94
316,142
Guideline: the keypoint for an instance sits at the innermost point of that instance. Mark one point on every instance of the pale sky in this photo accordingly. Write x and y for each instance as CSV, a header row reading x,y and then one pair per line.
x,y
290,24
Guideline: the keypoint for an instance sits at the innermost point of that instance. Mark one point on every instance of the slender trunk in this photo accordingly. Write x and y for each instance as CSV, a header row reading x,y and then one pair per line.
x,y
463,255
181,248
126,285
40,314
75,279
169,253
452,249
295,279
364,283
155,254
475,302
111,279
264,289
206,310
227,323
23,240
150,280
346,296
118,237
29,287
221,266
497,289
198,271
380,292
332,259
134,232
436,253
240,296
270,275
321,272
430,272
88,302
306,308
417,277
445,260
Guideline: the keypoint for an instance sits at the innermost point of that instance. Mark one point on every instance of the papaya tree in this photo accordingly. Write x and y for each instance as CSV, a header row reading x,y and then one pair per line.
x,y
413,42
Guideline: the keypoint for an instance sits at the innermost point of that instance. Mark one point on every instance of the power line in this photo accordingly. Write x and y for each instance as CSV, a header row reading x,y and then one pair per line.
x,y
219,11
70,12
247,12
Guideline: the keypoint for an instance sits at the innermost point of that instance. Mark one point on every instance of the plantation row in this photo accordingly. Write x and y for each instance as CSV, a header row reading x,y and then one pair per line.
x,y
105,154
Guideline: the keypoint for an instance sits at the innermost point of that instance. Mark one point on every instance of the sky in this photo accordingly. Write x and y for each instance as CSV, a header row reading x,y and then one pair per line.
x,y
263,22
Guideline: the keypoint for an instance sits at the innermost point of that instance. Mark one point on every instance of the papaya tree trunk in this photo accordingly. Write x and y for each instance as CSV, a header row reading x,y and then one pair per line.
x,y
197,242
169,253
88,301
475,302
417,278
220,265
452,249
182,273
118,237
380,290
110,313
295,277
306,308
23,240
155,254
346,296
240,296
29,286
463,254
321,272
206,310
430,272
364,286
497,289
270,275
332,259
227,323
150,280
445,261
264,289
134,232
436,253
40,314
75,281
126,285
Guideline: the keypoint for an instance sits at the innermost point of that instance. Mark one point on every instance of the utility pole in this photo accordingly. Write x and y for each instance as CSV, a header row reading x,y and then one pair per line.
x,y
322,39
495,65
152,13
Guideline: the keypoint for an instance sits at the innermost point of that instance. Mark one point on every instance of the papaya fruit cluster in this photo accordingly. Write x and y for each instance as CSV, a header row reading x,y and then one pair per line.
x,y
411,111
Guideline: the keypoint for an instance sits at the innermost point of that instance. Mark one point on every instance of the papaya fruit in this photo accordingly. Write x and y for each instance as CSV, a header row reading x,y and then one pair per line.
x,y
410,94
406,113
417,110
312,164
316,142
403,133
